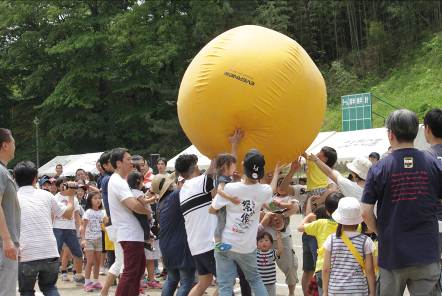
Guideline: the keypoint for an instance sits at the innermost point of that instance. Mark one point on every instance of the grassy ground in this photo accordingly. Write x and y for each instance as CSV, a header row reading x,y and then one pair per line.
x,y
416,84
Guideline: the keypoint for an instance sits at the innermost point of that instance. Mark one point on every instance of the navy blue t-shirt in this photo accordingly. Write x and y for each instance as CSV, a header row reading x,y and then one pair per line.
x,y
104,184
407,184
173,242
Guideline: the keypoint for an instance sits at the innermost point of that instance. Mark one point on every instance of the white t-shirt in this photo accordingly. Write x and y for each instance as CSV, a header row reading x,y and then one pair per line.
x,y
127,226
60,222
349,188
37,240
94,219
242,220
195,201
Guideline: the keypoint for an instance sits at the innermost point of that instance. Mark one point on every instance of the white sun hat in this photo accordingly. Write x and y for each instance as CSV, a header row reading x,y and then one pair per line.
x,y
348,211
360,166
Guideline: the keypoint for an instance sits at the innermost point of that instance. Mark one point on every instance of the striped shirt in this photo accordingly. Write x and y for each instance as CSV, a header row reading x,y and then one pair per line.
x,y
346,275
266,266
37,240
195,201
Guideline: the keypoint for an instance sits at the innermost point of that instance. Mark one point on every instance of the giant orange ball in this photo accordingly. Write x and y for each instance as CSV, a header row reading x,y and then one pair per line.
x,y
259,80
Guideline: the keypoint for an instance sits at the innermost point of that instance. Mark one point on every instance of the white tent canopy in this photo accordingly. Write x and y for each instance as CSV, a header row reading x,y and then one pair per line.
x,y
348,145
71,163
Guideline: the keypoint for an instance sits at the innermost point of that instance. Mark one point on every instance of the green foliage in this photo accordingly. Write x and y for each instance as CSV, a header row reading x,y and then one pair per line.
x,y
101,74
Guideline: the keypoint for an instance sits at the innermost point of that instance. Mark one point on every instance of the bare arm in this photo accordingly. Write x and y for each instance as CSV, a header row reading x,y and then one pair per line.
x,y
324,168
69,208
279,246
83,231
308,219
227,196
9,248
326,272
134,205
274,183
294,167
369,271
235,139
369,217
266,219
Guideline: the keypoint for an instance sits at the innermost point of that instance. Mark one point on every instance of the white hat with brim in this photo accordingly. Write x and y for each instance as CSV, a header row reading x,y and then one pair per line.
x,y
360,166
348,212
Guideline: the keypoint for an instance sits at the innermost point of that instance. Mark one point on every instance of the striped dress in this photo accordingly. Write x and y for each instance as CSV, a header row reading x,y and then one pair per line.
x,y
346,275
266,266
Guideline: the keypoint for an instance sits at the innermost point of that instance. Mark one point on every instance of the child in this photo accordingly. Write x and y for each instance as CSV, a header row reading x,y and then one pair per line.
x,y
348,254
225,167
320,230
91,239
266,257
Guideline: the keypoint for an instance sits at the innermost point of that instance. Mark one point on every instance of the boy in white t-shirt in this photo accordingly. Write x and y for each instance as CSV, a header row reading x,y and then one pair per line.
x,y
242,226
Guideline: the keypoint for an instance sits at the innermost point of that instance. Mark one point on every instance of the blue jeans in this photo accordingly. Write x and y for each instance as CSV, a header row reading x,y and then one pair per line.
x,y
226,271
69,237
185,277
46,271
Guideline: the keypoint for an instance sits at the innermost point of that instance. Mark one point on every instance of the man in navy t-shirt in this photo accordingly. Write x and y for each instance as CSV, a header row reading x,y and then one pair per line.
x,y
407,186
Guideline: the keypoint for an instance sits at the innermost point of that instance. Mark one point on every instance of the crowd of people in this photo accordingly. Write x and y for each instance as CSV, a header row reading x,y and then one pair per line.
x,y
372,232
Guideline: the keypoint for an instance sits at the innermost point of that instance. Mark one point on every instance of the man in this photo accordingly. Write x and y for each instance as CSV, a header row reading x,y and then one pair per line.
x,y
81,174
407,186
433,131
195,200
39,257
242,226
9,217
58,170
173,243
141,165
129,232
101,173
65,229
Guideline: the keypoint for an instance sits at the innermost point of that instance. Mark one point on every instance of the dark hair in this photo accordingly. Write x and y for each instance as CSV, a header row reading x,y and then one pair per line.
x,y
25,173
137,157
163,159
263,234
404,125
331,155
89,200
79,170
60,180
332,200
339,230
375,155
224,159
58,164
133,179
185,163
104,158
433,120
117,154
321,213
5,135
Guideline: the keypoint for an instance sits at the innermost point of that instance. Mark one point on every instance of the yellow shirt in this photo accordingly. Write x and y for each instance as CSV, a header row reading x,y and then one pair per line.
x,y
320,229
315,177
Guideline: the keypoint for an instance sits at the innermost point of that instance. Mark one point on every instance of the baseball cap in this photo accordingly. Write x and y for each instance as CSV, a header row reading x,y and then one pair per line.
x,y
254,164
43,180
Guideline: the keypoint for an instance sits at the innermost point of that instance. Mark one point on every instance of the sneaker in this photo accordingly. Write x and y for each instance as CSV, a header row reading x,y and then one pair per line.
x,y
222,247
102,271
89,287
65,278
97,285
79,279
154,285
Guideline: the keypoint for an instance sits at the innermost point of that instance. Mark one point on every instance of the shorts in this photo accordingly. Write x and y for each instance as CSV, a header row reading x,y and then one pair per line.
x,y
156,254
205,263
69,237
288,262
94,245
309,251
221,224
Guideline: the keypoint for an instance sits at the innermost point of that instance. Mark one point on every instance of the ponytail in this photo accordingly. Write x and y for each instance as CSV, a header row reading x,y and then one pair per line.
x,y
339,231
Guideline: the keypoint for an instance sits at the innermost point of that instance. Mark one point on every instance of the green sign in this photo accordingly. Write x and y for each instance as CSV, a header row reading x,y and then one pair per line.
x,y
356,112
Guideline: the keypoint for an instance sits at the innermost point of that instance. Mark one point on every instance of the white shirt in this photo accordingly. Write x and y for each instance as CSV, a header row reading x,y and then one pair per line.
x,y
195,201
242,220
60,222
127,226
94,219
349,188
37,240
